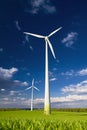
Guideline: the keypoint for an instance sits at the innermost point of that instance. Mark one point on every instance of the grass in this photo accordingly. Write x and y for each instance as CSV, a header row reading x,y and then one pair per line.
x,y
36,120
38,114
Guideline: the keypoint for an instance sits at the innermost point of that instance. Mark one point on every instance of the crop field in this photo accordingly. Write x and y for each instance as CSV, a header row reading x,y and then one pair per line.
x,y
36,120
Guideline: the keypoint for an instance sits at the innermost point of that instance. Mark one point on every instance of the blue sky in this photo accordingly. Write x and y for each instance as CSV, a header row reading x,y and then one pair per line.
x,y
22,57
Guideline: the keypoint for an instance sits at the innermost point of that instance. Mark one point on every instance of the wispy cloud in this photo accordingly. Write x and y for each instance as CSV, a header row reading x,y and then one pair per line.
x,y
68,98
64,101
76,88
1,49
15,94
57,61
52,75
7,73
68,73
2,90
28,74
26,40
31,48
5,99
70,39
12,93
55,69
53,79
6,84
19,83
82,72
17,25
75,95
38,6
6,81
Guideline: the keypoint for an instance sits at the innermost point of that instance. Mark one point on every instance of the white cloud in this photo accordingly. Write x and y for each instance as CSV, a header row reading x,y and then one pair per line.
x,y
39,81
68,73
9,84
12,93
76,88
19,83
68,98
39,100
52,75
28,74
5,99
82,72
53,79
7,73
26,39
6,81
49,9
23,99
71,100
37,3
1,49
44,6
76,97
31,48
17,25
57,61
2,90
24,84
70,39
54,69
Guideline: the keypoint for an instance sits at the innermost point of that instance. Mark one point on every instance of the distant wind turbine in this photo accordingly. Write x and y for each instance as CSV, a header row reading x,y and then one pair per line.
x,y
32,93
47,109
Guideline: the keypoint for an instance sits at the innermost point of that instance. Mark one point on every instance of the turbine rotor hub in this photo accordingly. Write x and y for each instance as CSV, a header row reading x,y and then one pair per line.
x,y
46,38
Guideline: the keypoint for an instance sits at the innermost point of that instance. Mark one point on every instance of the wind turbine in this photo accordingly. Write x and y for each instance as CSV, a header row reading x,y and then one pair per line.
x,y
32,93
47,109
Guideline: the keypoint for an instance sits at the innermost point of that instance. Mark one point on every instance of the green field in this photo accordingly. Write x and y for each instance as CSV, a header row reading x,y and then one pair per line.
x,y
36,120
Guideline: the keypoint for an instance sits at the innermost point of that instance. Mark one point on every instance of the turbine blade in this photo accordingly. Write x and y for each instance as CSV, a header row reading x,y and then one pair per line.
x,y
33,82
35,35
54,32
36,88
28,88
51,48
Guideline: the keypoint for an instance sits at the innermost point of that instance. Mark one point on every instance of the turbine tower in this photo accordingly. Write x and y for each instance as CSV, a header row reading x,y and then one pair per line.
x,y
47,108
32,93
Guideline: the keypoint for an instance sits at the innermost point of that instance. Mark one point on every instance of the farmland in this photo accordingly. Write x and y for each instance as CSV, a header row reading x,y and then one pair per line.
x,y
36,120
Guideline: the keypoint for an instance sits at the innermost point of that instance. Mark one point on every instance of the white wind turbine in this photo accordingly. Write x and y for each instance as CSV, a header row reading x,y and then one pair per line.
x,y
32,93
47,109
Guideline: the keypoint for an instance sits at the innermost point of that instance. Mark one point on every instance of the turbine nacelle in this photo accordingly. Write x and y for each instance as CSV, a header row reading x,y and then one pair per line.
x,y
32,87
46,38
